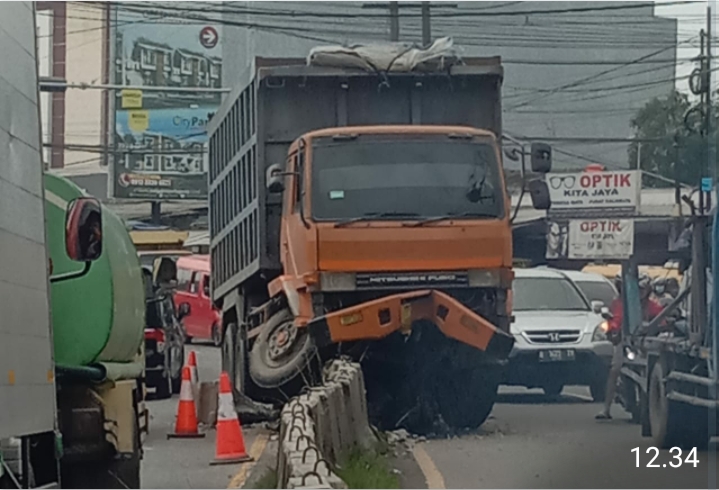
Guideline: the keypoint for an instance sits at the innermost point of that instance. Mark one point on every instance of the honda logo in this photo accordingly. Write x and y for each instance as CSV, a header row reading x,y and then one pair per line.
x,y
554,337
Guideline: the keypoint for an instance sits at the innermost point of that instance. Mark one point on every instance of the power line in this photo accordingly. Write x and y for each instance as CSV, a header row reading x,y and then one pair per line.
x,y
466,13
584,80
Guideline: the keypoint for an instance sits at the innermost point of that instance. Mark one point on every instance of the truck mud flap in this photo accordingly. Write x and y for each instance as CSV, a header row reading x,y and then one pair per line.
x,y
378,318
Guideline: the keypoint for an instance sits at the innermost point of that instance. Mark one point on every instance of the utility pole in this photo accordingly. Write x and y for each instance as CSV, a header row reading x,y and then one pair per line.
x,y
426,25
394,21
394,8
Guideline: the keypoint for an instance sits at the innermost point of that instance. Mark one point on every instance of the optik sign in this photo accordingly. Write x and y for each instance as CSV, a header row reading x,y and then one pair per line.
x,y
617,190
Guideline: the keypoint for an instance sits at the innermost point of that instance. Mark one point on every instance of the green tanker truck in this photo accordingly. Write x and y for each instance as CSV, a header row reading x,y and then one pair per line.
x,y
72,307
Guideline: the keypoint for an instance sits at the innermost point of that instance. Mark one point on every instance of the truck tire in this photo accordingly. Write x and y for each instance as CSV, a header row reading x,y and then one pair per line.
x,y
216,335
162,384
663,413
177,361
281,352
465,401
234,356
552,388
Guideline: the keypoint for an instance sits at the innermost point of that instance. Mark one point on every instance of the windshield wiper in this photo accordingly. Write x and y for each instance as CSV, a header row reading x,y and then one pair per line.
x,y
467,214
371,216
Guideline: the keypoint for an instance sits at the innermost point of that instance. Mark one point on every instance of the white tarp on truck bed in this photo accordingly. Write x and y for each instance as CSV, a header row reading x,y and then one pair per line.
x,y
391,57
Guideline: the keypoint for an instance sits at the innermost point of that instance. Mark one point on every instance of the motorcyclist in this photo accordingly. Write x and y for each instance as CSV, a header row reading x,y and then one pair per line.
x,y
661,294
650,309
672,287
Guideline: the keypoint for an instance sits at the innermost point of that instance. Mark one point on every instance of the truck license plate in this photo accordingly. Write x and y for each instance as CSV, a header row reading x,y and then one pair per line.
x,y
556,355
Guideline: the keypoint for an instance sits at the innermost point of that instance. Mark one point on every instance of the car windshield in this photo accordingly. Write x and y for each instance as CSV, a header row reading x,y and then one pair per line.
x,y
383,178
546,293
597,291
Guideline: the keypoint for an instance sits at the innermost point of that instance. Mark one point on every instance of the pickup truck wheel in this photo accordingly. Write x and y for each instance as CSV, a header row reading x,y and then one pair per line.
x,y
281,352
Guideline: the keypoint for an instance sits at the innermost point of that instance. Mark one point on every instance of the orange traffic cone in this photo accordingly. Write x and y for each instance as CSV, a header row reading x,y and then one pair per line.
x,y
194,376
186,423
230,444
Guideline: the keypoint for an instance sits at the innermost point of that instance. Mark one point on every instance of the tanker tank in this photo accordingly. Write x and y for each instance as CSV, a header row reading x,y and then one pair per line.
x,y
97,318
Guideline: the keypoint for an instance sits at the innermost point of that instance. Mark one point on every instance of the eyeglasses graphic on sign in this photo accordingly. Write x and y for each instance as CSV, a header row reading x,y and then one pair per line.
x,y
557,181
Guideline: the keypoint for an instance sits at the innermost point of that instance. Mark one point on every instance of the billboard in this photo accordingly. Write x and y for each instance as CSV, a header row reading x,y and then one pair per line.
x,y
601,239
593,191
160,138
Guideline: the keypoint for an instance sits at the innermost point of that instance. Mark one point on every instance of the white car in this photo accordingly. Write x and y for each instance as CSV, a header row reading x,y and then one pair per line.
x,y
594,286
559,338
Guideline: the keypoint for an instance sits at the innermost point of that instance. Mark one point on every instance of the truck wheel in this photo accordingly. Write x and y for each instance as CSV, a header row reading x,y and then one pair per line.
x,y
663,413
216,335
177,360
162,385
281,352
465,401
552,388
234,356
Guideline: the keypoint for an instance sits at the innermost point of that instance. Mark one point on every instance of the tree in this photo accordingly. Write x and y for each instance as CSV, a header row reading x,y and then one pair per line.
x,y
662,119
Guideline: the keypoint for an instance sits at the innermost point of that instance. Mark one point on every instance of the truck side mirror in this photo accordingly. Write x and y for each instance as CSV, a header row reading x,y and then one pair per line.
x,y
83,229
541,158
275,179
539,192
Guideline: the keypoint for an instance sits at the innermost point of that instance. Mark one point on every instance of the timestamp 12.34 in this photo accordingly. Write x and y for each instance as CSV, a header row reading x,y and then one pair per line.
x,y
677,461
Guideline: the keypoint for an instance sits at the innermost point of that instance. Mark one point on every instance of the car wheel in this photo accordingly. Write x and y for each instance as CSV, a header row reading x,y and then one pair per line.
x,y
553,388
216,335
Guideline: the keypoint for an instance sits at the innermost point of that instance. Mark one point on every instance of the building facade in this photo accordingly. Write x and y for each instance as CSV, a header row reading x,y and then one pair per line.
x,y
574,71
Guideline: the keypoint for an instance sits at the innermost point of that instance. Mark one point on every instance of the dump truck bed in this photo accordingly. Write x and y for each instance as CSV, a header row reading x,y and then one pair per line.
x,y
278,100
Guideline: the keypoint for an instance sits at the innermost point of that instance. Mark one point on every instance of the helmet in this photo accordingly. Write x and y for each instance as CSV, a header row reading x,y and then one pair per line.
x,y
645,282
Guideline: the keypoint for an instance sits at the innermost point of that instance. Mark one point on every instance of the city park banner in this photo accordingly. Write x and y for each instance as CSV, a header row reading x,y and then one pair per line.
x,y
159,147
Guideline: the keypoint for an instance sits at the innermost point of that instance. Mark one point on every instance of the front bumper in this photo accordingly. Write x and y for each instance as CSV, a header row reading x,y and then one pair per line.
x,y
591,363
379,318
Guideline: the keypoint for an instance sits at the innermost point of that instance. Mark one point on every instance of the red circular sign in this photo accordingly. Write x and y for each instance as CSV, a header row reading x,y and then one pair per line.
x,y
209,37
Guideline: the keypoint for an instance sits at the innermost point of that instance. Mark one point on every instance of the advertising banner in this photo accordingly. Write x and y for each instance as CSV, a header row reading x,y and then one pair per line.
x,y
557,240
160,140
592,191
601,239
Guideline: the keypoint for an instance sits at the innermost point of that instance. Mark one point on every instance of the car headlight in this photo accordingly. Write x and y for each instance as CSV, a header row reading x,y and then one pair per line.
x,y
600,333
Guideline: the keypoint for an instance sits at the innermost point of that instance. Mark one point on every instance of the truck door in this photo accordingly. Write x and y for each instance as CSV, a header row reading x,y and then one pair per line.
x,y
299,242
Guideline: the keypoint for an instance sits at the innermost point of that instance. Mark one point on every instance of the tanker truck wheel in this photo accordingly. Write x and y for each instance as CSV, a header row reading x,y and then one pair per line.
x,y
281,354
465,398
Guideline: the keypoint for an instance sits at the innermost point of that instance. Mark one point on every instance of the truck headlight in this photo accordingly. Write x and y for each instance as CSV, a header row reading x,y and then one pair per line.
x,y
600,332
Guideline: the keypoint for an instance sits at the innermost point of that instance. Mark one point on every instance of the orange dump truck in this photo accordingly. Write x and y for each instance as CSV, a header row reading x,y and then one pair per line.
x,y
364,213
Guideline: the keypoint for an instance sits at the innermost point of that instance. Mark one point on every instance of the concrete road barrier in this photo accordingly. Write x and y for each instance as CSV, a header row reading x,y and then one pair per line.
x,y
320,425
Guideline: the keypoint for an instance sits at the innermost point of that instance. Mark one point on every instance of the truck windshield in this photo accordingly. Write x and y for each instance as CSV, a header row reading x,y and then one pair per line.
x,y
405,179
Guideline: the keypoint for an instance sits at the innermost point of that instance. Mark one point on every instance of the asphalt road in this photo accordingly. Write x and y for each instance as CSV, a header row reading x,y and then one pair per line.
x,y
531,441
184,463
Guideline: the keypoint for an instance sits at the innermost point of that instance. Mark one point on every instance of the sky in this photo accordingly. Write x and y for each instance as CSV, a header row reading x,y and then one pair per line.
x,y
692,18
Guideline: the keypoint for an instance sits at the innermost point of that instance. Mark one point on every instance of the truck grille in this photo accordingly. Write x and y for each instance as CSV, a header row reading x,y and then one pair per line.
x,y
553,336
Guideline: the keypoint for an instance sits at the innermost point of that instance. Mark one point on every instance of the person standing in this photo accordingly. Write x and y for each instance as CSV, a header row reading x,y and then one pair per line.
x,y
650,310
